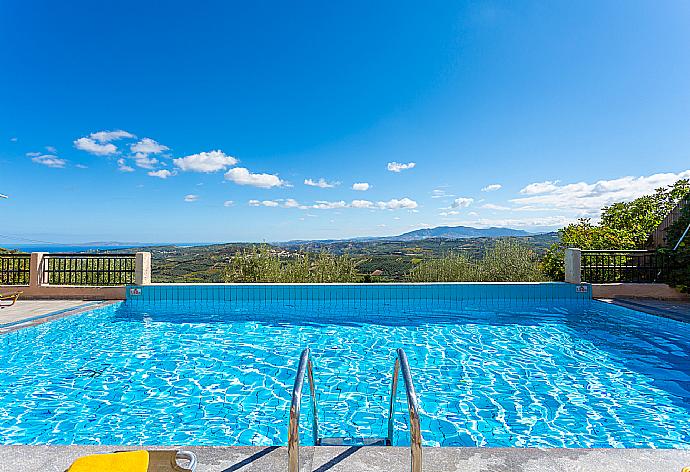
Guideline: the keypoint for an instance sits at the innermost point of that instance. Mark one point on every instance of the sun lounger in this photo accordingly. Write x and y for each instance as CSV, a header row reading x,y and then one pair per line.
x,y
135,461
9,299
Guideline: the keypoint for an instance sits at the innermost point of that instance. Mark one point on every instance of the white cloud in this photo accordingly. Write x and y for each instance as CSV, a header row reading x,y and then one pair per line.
x,y
48,160
540,187
207,162
98,143
397,167
107,136
361,186
362,204
491,206
462,202
161,174
144,161
123,167
266,203
80,166
395,204
321,183
449,213
242,176
440,193
492,188
148,146
91,146
321,205
228,203
291,203
586,199
191,198
543,222
51,149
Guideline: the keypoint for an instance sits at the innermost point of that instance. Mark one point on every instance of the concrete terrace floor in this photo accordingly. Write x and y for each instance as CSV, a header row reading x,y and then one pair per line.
x,y
376,459
31,312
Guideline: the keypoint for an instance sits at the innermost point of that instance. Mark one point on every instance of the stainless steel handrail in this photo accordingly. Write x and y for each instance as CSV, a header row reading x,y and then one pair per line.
x,y
305,365
412,406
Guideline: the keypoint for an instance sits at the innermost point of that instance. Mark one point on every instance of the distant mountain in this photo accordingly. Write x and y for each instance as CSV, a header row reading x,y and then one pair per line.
x,y
459,232
440,232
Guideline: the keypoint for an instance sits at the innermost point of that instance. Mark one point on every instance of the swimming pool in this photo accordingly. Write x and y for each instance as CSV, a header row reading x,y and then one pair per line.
x,y
498,372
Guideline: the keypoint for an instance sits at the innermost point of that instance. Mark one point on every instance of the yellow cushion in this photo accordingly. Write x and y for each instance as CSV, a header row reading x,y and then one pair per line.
x,y
134,461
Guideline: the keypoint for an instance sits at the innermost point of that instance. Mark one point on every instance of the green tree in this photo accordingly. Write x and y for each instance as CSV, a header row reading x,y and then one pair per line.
x,y
624,225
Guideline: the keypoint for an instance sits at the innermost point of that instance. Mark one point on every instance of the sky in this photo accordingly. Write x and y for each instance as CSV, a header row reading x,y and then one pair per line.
x,y
270,121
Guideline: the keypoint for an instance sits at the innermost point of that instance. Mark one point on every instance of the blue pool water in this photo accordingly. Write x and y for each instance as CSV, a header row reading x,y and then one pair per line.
x,y
579,374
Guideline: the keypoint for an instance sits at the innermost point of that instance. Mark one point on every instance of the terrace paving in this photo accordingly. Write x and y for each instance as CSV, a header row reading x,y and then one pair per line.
x,y
376,459
678,310
30,312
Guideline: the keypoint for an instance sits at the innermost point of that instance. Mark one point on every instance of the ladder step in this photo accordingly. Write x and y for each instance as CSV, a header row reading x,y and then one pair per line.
x,y
348,441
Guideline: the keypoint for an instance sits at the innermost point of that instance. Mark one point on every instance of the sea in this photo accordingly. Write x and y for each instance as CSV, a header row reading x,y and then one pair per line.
x,y
59,248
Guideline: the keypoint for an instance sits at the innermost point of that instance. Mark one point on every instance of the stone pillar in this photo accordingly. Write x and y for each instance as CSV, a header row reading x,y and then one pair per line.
x,y
142,268
36,269
573,266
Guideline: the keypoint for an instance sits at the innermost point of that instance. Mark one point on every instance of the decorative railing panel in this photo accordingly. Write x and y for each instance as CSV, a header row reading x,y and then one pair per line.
x,y
604,266
14,269
88,269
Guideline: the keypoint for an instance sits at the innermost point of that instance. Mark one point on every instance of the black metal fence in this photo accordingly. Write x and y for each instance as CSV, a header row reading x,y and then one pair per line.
x,y
88,269
14,269
600,266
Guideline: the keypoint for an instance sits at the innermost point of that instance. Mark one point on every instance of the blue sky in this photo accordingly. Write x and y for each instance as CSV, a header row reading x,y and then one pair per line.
x,y
206,121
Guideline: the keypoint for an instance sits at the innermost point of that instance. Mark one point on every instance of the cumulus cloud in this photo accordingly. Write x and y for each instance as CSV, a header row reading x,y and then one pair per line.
x,y
242,176
462,202
361,186
91,146
545,222
540,187
148,146
228,203
206,162
191,198
321,183
266,203
48,160
397,166
144,161
321,205
586,199
107,136
51,149
161,174
492,188
394,204
123,167
99,143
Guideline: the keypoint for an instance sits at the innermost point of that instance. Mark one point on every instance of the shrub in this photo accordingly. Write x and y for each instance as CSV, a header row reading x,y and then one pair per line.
x,y
506,261
261,264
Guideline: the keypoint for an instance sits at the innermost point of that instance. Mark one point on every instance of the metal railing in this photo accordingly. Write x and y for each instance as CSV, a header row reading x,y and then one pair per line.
x,y
413,407
305,366
15,269
632,266
88,269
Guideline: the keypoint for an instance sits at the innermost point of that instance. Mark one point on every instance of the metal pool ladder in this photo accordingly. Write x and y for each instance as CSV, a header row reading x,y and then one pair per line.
x,y
306,367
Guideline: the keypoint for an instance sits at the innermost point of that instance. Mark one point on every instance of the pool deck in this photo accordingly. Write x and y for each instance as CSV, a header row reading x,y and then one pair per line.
x,y
377,459
32,312
678,310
